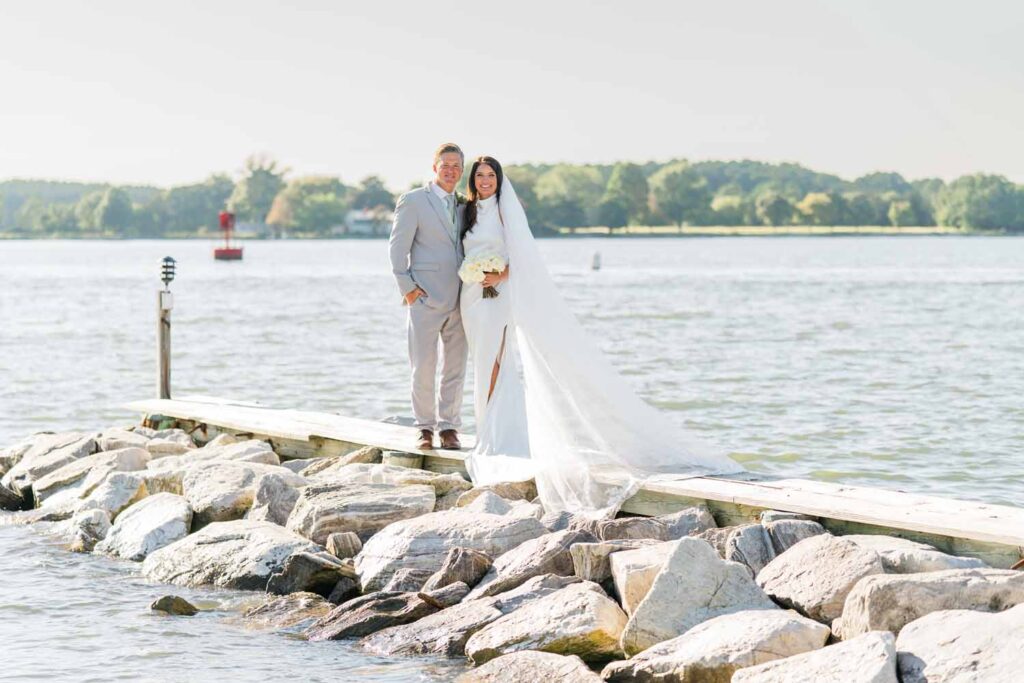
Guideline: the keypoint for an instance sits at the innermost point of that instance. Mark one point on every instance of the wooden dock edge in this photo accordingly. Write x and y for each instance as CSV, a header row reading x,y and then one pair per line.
x,y
649,501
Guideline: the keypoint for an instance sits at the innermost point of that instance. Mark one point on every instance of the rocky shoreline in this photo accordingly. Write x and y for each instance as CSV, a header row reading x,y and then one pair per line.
x,y
412,563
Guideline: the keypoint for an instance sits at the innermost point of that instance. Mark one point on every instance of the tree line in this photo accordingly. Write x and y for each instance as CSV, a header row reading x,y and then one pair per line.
x,y
731,193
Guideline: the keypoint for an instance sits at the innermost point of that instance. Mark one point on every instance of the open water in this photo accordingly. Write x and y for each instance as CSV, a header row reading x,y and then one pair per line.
x,y
893,362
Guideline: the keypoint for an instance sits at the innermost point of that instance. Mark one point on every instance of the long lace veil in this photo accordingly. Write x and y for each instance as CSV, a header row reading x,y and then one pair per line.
x,y
593,441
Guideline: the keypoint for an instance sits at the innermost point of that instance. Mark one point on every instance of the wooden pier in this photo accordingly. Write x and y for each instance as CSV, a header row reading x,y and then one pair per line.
x,y
994,533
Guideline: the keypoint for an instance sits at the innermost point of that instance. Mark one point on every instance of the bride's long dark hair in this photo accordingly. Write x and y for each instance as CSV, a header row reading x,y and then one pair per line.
x,y
469,219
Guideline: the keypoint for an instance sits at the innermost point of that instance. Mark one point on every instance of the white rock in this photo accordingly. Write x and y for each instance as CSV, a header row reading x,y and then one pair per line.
x,y
900,556
80,477
577,620
88,527
423,542
785,533
118,491
240,554
890,601
717,648
634,570
367,473
547,554
170,442
590,561
274,499
149,525
117,438
815,575
490,503
871,658
223,490
48,453
224,439
251,450
530,666
694,585
521,508
324,509
961,646
688,521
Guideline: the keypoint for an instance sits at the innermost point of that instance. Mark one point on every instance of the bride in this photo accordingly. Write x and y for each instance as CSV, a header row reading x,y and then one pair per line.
x,y
548,405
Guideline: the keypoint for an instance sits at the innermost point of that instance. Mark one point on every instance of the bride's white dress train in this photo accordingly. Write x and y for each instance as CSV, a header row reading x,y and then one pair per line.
x,y
558,411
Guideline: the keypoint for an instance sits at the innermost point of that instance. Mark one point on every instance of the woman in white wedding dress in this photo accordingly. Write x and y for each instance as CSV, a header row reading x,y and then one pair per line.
x,y
565,417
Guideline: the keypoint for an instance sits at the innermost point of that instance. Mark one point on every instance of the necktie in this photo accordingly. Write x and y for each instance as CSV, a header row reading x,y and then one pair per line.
x,y
449,202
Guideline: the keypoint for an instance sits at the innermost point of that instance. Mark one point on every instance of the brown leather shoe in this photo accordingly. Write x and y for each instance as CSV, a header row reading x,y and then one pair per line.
x,y
450,440
426,441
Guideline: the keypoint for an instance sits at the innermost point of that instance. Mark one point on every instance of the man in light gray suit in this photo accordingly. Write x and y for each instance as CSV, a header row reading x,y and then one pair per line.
x,y
426,252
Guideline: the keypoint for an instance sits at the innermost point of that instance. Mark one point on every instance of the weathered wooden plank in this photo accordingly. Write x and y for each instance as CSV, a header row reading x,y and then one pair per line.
x,y
992,532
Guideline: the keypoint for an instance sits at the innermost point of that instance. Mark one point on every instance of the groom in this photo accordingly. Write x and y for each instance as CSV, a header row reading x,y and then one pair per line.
x,y
426,252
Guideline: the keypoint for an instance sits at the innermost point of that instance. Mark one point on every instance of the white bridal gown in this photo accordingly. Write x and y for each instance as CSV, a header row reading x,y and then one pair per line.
x,y
569,420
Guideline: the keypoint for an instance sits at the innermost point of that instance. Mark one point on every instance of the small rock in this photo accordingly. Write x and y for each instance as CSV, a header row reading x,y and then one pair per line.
x,y
749,545
634,571
307,572
687,522
116,439
785,533
715,649
888,602
577,620
447,501
509,490
463,565
490,503
590,560
777,515
12,500
366,455
547,554
717,538
632,527
871,658
900,556
344,544
89,527
962,646
371,613
174,605
694,585
407,581
815,575
530,666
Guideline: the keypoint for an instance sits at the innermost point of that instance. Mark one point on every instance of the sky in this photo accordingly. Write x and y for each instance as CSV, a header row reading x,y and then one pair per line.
x,y
167,93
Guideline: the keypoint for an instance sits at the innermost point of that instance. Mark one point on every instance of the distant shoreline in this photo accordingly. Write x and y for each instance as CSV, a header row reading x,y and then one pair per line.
x,y
630,232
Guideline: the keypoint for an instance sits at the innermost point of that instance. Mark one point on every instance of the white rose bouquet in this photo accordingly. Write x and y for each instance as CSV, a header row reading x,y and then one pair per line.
x,y
475,268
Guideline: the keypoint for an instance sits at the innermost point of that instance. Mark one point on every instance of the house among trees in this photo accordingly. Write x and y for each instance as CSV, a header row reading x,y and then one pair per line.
x,y
366,222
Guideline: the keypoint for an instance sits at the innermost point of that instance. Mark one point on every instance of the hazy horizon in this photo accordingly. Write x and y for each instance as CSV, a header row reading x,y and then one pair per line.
x,y
117,92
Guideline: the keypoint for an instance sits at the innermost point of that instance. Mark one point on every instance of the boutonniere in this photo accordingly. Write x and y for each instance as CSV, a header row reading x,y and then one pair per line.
x,y
460,198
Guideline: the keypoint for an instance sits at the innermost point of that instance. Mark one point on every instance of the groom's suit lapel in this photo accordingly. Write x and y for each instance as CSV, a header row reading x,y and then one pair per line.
x,y
439,209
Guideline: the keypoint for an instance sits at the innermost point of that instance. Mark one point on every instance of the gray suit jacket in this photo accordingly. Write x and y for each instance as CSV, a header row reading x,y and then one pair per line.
x,y
423,253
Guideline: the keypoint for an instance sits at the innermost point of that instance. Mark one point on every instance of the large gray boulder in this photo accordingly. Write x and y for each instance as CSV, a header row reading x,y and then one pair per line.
x,y
446,632
890,601
687,522
240,554
714,650
632,527
224,490
815,575
146,526
547,554
900,556
292,613
79,478
785,533
117,492
423,542
530,666
961,646
308,572
364,509
48,453
693,586
634,571
870,658
578,620
375,611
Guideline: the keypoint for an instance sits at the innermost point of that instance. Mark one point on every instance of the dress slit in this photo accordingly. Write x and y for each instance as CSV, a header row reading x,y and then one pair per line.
x,y
497,364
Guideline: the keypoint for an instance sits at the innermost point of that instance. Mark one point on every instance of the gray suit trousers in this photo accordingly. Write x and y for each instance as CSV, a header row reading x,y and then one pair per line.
x,y
426,325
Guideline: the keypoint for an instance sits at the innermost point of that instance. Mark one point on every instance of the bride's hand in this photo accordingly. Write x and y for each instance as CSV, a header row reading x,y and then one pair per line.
x,y
491,279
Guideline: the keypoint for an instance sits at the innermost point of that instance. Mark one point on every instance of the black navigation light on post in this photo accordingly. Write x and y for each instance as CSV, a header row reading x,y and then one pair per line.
x,y
165,302
167,271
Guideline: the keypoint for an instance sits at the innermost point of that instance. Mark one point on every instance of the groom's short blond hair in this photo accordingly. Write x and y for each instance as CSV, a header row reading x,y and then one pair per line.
x,y
446,148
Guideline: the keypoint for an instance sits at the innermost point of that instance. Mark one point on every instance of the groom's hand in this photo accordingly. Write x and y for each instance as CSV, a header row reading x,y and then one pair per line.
x,y
411,297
